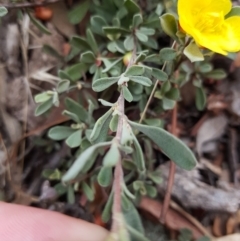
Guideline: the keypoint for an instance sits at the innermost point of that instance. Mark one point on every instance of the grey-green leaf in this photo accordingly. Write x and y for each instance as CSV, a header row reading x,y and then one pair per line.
x,y
193,52
88,191
104,83
78,12
200,98
171,146
80,162
63,86
3,11
134,70
159,74
99,125
58,133
105,176
169,25
43,107
77,109
127,94
75,139
168,54
141,80
112,157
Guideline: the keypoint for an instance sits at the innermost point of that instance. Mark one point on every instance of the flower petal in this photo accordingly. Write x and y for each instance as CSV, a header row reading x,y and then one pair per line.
x,y
231,40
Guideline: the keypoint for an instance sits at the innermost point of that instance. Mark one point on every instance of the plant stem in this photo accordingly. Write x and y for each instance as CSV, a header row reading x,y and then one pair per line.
x,y
171,171
118,172
153,91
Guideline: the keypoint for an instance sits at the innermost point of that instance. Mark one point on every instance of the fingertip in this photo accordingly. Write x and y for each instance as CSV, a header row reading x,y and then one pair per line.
x,y
19,223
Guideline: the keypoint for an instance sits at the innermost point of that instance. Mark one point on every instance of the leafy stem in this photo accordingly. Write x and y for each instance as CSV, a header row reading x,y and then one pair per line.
x,y
153,91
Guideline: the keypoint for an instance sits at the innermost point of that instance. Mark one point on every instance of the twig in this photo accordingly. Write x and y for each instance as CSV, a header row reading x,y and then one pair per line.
x,y
118,172
171,171
153,91
7,158
29,5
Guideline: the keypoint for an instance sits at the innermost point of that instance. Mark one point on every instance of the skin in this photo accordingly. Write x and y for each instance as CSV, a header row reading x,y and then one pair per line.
x,y
20,223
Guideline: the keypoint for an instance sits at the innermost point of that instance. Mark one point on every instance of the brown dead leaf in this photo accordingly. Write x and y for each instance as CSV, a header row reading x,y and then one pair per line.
x,y
217,227
174,220
230,226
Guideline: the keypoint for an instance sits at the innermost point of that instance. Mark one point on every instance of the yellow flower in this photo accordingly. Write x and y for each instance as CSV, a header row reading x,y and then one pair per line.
x,y
205,21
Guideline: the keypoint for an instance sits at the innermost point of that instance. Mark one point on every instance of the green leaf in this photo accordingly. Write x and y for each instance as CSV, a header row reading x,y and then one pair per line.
x,y
99,125
76,71
133,219
97,23
105,176
137,20
169,25
138,153
159,74
51,51
168,54
172,147
81,161
168,104
114,123
151,190
63,75
104,83
43,107
216,74
106,214
155,177
3,11
112,157
115,30
42,97
110,66
127,94
88,57
71,115
80,43
132,7
129,43
77,109
63,86
141,80
141,36
78,12
92,42
38,24
201,98
75,139
147,31
205,68
88,191
134,70
59,133
235,11
173,94
105,103
193,52
70,195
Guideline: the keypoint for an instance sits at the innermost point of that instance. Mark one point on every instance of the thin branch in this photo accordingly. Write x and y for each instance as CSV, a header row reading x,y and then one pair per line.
x,y
28,4
118,172
167,198
153,91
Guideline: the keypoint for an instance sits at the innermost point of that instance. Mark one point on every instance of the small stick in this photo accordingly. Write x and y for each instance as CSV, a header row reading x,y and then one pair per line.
x,y
167,198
